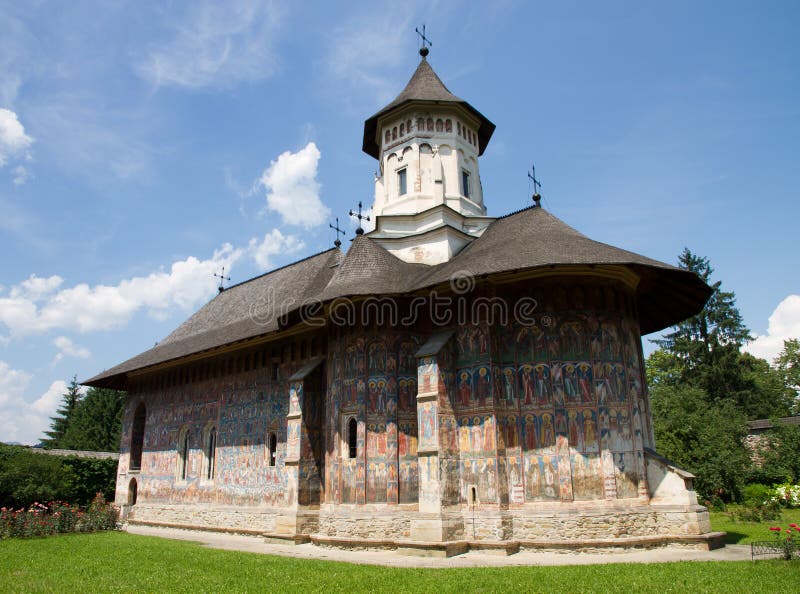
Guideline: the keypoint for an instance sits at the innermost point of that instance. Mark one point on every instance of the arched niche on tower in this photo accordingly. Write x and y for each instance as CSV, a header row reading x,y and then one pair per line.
x,y
425,168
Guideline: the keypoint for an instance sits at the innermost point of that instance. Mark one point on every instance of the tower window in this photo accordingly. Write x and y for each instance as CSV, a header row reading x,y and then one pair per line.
x,y
448,126
465,183
402,184
402,130
352,438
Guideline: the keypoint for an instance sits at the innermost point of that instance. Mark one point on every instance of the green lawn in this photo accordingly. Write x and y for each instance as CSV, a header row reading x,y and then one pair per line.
x,y
746,532
118,561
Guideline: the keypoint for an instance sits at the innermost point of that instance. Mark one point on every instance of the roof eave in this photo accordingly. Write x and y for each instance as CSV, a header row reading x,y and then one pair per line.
x,y
371,146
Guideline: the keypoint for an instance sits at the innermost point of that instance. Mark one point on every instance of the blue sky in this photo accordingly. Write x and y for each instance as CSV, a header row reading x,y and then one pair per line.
x,y
144,145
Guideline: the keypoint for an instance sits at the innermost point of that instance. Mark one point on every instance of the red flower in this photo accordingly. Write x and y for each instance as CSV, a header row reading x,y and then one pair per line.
x,y
792,525
775,528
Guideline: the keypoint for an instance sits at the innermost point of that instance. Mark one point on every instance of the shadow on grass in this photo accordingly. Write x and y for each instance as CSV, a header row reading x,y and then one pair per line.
x,y
734,537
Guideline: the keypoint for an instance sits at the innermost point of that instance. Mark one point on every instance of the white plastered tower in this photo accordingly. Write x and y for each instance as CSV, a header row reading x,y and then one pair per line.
x,y
428,195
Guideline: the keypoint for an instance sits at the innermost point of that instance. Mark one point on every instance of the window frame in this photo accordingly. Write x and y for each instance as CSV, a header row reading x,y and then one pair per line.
x,y
402,181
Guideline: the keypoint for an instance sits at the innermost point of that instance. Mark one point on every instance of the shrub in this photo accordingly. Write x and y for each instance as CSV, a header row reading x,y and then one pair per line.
x,y
787,495
756,494
57,517
27,477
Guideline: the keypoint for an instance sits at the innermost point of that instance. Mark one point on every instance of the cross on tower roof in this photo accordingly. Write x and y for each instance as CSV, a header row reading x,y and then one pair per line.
x,y
423,51
337,243
360,217
537,198
222,278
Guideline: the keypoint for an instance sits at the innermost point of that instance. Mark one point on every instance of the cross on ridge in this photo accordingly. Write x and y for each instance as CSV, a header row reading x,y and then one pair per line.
x,y
222,278
360,217
423,51
537,198
337,243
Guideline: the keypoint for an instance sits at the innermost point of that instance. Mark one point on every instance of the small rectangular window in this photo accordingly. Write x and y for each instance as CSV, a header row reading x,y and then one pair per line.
x,y
401,182
465,183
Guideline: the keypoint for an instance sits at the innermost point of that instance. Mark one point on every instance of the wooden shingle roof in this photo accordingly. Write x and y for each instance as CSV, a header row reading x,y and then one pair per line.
x,y
425,86
526,240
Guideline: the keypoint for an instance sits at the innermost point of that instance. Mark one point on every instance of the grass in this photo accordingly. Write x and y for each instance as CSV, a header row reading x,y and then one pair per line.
x,y
746,532
122,562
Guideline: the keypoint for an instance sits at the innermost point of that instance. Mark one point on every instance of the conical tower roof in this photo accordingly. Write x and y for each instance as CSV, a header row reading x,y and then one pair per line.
x,y
425,86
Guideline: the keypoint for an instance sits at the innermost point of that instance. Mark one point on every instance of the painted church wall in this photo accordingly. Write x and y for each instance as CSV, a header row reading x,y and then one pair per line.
x,y
555,405
244,409
372,379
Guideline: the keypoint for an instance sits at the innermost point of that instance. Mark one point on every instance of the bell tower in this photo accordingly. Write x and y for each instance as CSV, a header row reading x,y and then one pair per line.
x,y
428,195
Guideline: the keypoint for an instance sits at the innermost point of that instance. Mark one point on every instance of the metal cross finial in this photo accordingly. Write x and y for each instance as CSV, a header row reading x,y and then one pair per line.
x,y
222,278
337,243
537,198
360,217
423,51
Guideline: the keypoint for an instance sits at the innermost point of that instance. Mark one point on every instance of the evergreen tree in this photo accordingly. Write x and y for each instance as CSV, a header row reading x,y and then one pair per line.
x,y
788,366
97,421
711,336
61,422
703,390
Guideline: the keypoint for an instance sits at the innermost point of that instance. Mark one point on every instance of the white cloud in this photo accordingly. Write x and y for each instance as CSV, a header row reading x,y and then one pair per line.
x,y
14,142
363,51
784,323
22,421
274,243
21,175
292,187
39,305
67,348
217,45
12,383
48,403
36,288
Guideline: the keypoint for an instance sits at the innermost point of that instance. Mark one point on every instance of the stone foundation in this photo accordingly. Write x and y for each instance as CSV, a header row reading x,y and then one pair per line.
x,y
451,533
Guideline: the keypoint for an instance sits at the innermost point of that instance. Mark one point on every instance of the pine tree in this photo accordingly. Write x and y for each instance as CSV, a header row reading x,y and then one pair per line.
x,y
696,341
60,423
97,421
788,365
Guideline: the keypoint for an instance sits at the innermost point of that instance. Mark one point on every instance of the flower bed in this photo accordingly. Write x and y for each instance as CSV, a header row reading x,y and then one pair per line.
x,y
57,517
787,495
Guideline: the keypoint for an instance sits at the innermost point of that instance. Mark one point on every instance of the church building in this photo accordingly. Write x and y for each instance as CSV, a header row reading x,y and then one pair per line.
x,y
452,381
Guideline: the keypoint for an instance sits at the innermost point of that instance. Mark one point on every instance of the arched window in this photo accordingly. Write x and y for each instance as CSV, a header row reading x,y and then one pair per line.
x,y
137,437
420,124
352,438
387,136
408,126
132,492
402,129
458,128
272,449
448,125
394,133
183,454
210,453
429,124
439,125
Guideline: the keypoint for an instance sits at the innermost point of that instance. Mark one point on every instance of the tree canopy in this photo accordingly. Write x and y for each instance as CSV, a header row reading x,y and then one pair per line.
x,y
704,389
87,422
